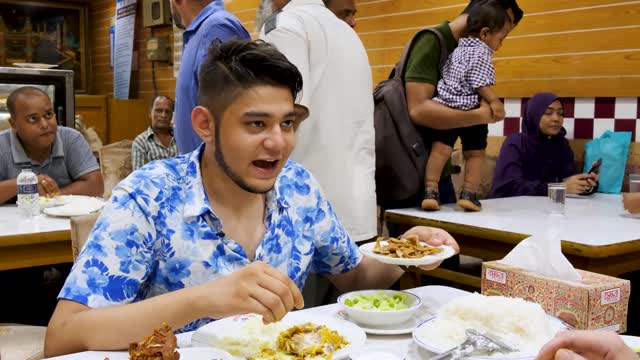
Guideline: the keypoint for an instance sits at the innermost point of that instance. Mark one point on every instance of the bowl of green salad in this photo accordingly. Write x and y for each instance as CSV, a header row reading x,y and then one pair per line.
x,y
380,307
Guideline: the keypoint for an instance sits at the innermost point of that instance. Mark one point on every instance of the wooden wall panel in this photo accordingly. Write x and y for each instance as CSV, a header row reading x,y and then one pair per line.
x,y
127,119
575,48
245,10
93,109
141,79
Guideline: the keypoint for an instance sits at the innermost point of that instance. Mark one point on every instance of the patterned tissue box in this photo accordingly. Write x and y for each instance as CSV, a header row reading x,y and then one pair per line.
x,y
596,302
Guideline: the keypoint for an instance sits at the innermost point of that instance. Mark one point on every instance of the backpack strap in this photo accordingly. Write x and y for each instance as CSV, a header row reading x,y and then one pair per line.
x,y
398,71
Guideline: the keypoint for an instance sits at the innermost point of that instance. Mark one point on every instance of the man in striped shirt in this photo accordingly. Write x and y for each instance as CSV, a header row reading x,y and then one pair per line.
x,y
157,142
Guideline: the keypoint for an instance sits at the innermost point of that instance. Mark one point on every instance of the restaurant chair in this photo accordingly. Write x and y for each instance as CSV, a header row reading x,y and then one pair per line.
x,y
489,167
115,164
81,226
22,342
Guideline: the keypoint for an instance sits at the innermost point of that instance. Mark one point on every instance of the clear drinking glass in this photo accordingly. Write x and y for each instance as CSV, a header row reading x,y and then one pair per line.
x,y
634,182
557,193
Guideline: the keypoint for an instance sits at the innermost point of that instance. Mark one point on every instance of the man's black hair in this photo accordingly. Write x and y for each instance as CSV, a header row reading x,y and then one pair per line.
x,y
505,4
492,17
153,101
238,65
11,100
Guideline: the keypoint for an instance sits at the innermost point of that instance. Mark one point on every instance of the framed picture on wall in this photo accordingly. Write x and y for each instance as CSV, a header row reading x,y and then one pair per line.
x,y
46,34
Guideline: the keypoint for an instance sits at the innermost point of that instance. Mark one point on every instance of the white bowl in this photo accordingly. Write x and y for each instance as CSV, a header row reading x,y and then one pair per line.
x,y
376,317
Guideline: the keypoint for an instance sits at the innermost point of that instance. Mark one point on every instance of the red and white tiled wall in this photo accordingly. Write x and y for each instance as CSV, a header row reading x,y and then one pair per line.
x,y
584,118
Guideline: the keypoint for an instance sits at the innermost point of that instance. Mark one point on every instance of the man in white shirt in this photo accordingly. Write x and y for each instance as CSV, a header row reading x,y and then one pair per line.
x,y
337,142
345,10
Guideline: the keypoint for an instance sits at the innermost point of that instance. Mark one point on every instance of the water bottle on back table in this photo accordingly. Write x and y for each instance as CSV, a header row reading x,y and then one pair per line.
x,y
28,198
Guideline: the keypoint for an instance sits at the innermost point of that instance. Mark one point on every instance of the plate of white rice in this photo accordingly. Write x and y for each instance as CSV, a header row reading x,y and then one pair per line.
x,y
523,325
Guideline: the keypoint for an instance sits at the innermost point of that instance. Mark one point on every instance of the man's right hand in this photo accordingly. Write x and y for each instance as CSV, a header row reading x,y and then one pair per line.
x,y
47,186
257,288
486,112
631,202
586,345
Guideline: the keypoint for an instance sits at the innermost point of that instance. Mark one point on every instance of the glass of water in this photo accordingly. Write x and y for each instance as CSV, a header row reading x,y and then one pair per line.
x,y
557,192
634,182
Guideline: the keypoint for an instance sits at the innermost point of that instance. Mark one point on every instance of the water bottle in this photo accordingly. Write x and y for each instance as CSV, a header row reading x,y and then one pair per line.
x,y
28,198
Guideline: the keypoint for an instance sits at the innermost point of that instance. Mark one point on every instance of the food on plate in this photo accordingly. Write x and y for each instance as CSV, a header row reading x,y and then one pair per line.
x,y
378,301
46,202
310,340
246,336
161,345
252,339
522,324
408,247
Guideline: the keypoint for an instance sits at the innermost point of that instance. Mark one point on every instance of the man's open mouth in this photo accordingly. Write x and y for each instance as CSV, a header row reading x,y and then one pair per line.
x,y
265,164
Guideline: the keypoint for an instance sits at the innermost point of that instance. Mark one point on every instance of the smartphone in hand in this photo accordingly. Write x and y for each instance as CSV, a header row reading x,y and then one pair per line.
x,y
594,169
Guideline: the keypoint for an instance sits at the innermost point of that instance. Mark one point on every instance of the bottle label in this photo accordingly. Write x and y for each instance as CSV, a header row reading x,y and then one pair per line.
x,y
28,189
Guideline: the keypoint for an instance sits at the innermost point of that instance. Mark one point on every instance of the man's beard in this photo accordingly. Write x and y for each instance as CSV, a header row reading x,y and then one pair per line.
x,y
264,11
230,173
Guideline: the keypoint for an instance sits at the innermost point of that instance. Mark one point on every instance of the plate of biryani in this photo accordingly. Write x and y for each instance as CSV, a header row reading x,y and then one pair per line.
x,y
521,324
408,251
298,336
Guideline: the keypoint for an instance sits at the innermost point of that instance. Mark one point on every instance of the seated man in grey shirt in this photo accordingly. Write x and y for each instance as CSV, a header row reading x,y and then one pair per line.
x,y
60,156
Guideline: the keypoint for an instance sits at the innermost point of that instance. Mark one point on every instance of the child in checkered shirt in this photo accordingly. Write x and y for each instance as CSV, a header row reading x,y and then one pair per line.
x,y
467,75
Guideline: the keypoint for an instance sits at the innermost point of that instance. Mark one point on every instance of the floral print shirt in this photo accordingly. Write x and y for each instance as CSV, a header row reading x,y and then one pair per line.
x,y
158,234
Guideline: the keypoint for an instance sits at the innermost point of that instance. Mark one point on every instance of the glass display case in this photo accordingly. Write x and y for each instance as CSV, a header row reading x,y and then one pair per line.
x,y
57,83
44,33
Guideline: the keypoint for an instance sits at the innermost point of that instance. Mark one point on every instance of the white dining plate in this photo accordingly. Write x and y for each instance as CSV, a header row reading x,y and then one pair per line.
x,y
632,342
194,353
35,65
75,206
379,352
351,332
405,327
367,250
438,348
65,199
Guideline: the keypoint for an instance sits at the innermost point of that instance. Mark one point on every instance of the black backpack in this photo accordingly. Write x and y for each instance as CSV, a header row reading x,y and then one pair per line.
x,y
401,155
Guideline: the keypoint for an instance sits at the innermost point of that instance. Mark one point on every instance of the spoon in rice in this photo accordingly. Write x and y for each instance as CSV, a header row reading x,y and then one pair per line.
x,y
476,342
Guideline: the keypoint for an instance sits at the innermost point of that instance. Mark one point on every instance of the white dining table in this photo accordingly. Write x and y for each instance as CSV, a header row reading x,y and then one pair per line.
x,y
32,241
596,233
597,220
376,347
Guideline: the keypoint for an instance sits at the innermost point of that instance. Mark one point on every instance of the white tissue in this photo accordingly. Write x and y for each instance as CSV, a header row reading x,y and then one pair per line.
x,y
542,255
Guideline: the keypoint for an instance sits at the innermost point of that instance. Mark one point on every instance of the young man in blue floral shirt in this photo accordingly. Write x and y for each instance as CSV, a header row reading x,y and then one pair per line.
x,y
231,228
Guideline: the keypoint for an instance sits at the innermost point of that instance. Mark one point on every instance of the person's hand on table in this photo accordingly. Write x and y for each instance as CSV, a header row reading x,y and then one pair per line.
x,y
580,183
257,288
434,237
631,202
586,345
47,186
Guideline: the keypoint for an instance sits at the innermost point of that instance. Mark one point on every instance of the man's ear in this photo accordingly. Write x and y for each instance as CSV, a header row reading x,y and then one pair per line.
x,y
12,123
302,112
203,123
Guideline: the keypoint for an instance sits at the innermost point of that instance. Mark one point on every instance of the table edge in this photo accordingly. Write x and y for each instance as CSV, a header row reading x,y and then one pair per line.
x,y
35,238
569,247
